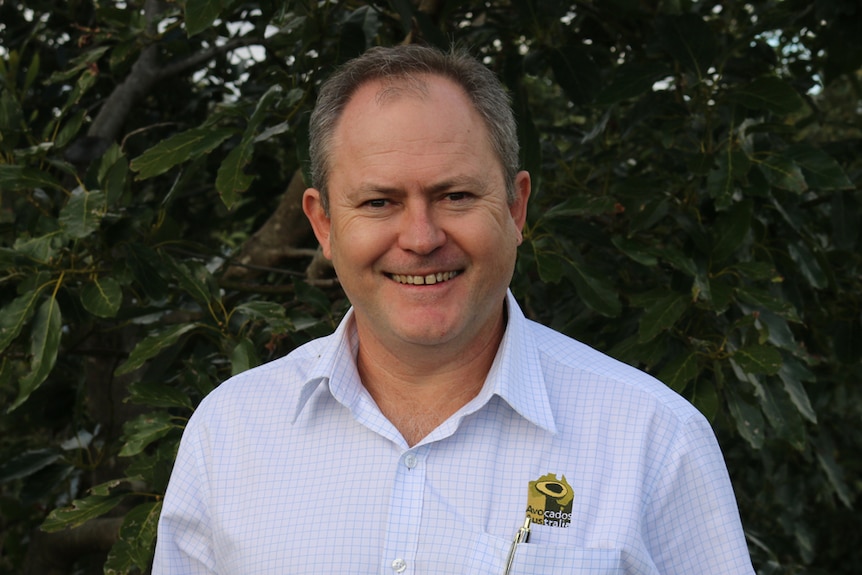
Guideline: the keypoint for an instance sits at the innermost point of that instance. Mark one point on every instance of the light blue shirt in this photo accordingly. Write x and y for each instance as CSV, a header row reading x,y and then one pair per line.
x,y
291,468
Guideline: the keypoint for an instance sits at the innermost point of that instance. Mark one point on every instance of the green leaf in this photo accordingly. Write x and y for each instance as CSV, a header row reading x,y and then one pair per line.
x,y
83,213
825,450
781,413
578,205
809,267
153,467
576,73
243,357
549,264
720,180
145,429
783,173
260,309
15,178
147,268
81,511
196,280
731,228
10,119
762,299
596,293
102,297
792,374
113,171
158,395
27,463
632,80
756,271
79,63
70,129
44,345
680,371
137,540
704,396
662,315
749,420
200,14
677,260
771,94
41,249
644,255
690,41
822,171
152,345
231,179
758,359
178,149
14,316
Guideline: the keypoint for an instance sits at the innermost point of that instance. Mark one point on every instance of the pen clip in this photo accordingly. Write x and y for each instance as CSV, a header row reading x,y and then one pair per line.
x,y
521,536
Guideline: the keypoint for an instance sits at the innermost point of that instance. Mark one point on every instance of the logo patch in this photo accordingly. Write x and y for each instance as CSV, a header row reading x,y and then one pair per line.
x,y
550,500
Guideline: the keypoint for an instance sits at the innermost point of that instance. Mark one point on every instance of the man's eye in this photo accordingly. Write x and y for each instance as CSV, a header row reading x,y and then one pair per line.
x,y
378,203
456,196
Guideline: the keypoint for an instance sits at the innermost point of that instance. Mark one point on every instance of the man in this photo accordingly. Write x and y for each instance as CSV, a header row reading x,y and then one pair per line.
x,y
437,422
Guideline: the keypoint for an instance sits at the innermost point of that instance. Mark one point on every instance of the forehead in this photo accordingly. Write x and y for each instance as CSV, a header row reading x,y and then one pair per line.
x,y
415,132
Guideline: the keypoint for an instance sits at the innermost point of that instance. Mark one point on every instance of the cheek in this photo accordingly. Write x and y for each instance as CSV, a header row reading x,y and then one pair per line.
x,y
356,245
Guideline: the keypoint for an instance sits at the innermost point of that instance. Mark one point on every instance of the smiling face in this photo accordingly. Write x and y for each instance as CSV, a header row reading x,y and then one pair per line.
x,y
419,228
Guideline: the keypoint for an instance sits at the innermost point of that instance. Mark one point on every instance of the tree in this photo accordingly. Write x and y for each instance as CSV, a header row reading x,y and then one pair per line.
x,y
696,214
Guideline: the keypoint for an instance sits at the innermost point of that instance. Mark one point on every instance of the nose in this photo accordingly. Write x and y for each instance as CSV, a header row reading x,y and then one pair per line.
x,y
420,232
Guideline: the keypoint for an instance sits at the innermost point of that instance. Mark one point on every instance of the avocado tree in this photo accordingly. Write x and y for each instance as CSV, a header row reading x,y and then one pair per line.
x,y
695,213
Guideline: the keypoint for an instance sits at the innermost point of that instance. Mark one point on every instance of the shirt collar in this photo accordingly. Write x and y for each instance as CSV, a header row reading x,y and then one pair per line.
x,y
516,374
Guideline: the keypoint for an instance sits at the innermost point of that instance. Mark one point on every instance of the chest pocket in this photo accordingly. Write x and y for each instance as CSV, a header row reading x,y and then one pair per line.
x,y
559,559
537,559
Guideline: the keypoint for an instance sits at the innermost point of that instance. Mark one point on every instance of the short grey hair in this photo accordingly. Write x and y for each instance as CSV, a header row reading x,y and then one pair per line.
x,y
402,64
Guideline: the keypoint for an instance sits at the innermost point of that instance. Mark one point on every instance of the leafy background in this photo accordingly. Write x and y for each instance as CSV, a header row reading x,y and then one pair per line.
x,y
696,214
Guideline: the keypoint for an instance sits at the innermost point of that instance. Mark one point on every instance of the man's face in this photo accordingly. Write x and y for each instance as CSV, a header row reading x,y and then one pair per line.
x,y
419,230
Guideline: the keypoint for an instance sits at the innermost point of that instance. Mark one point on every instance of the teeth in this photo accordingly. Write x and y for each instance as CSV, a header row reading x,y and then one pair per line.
x,y
424,280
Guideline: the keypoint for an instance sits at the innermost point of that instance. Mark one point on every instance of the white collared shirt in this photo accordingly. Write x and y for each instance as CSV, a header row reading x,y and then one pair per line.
x,y
291,468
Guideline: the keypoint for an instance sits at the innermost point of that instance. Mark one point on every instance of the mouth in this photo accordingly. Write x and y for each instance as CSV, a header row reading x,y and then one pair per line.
x,y
427,279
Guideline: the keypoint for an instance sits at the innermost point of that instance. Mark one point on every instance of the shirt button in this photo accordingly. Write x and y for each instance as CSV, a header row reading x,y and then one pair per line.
x,y
399,565
410,461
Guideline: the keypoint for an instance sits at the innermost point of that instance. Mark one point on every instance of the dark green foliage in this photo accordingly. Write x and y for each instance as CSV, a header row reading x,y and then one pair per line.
x,y
695,213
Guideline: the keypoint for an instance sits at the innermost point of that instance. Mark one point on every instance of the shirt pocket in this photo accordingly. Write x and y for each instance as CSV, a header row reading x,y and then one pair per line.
x,y
490,555
558,559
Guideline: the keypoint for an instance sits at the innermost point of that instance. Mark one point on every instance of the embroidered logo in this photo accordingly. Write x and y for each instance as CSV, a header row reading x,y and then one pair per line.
x,y
549,501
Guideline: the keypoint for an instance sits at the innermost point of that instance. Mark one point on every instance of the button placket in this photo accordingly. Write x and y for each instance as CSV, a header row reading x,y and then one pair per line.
x,y
405,513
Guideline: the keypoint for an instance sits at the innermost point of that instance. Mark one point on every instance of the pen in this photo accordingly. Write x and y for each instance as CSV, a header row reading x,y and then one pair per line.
x,y
521,536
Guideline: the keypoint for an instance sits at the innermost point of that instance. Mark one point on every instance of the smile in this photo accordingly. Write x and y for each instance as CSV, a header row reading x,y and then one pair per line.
x,y
424,280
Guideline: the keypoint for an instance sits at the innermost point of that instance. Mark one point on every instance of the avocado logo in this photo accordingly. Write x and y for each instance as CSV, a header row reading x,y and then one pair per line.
x,y
549,501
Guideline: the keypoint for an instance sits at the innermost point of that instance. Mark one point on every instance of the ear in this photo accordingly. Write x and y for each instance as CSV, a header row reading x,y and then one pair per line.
x,y
320,222
518,208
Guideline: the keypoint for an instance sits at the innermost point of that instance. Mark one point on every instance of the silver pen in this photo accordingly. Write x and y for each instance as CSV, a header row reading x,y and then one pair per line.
x,y
521,536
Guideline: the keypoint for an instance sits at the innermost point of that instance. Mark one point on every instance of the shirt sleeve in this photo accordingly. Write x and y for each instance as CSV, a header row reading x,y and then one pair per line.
x,y
184,541
691,521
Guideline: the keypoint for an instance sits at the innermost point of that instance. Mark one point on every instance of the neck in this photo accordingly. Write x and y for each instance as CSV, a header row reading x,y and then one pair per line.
x,y
418,388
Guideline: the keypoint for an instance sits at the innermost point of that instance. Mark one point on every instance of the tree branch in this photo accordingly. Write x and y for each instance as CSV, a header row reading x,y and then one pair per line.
x,y
146,72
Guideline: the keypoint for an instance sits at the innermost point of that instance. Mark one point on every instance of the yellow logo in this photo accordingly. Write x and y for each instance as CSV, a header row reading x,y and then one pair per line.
x,y
549,501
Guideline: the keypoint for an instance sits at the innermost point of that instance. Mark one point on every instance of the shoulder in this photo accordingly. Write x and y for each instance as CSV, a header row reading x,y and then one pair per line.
x,y
574,371
272,386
